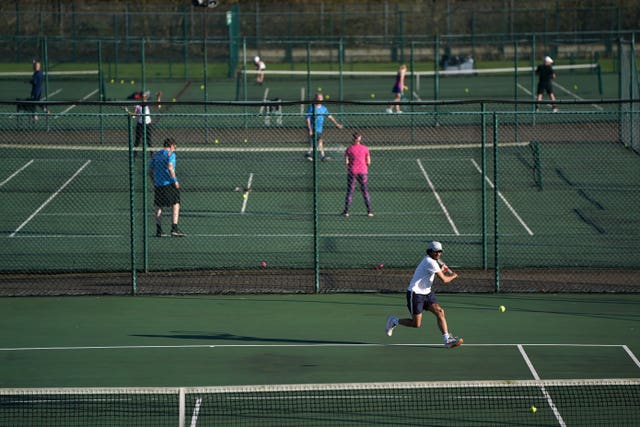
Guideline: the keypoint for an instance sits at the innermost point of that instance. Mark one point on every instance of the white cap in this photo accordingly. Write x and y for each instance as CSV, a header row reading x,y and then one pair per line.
x,y
256,59
548,59
435,246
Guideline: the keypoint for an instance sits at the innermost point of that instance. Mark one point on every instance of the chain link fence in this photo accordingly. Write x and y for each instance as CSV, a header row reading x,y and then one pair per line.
x,y
522,200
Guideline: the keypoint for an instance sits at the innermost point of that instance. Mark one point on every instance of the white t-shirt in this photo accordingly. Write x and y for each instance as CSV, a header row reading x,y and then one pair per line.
x,y
422,279
143,115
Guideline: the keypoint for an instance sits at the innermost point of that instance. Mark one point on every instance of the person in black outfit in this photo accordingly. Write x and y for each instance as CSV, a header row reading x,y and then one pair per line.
x,y
546,75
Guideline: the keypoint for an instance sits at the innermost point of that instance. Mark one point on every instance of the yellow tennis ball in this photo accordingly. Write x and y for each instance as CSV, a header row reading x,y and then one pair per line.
x,y
201,87
575,87
502,309
133,82
216,141
174,100
327,97
319,89
245,140
112,81
373,95
533,409
466,90
245,195
122,81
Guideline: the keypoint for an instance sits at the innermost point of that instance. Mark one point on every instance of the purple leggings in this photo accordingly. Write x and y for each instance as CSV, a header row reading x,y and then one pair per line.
x,y
351,186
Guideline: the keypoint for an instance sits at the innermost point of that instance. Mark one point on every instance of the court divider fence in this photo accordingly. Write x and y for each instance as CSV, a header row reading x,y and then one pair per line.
x,y
524,200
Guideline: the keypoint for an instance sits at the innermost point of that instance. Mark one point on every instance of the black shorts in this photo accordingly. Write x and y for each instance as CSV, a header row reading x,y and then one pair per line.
x,y
166,196
417,303
545,87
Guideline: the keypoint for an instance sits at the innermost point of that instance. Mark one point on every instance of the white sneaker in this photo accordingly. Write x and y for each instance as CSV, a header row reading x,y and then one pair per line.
x,y
392,322
555,110
453,342
389,110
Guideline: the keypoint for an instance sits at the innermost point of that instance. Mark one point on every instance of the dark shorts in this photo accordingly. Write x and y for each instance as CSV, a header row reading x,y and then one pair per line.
x,y
545,87
166,196
417,303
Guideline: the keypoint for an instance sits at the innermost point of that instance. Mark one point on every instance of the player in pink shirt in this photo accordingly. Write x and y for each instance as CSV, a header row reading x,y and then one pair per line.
x,y
357,159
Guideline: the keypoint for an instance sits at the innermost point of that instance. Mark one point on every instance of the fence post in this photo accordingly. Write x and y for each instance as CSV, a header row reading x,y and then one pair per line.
x,y
496,222
132,208
483,184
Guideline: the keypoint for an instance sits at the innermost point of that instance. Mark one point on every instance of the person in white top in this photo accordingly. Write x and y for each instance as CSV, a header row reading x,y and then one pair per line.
x,y
142,114
260,67
421,297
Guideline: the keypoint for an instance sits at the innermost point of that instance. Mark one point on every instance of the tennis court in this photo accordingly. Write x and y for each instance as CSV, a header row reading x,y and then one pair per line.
x,y
227,341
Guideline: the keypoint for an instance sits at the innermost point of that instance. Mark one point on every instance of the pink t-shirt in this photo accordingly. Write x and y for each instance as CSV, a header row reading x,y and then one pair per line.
x,y
357,155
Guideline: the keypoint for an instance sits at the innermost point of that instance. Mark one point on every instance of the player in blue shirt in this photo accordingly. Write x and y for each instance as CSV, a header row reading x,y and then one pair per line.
x,y
162,169
37,85
315,122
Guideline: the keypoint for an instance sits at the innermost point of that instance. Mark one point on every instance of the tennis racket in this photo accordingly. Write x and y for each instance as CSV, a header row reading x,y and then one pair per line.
x,y
444,267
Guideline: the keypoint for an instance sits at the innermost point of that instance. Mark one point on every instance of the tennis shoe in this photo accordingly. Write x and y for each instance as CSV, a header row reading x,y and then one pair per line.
x,y
325,158
389,110
392,322
370,214
453,342
345,214
555,110
177,233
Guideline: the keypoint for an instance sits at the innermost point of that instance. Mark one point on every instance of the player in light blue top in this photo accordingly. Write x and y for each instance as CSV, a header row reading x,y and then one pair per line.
x,y
162,169
315,123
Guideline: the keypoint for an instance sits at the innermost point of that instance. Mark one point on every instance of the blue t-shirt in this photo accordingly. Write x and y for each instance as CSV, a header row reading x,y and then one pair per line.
x,y
320,113
159,163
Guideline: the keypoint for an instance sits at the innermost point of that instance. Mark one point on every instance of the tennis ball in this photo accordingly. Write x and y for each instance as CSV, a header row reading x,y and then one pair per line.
x,y
216,141
112,81
533,409
466,90
201,87
575,87
174,100
245,195
373,95
319,89
502,309
133,82
245,140
327,97
122,81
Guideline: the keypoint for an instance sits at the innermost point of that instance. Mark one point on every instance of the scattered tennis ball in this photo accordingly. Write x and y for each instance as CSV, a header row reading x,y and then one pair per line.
x,y
245,140
575,87
245,195
216,141
174,100
122,81
533,409
327,97
133,82
466,90
201,87
319,89
502,309
112,81
373,95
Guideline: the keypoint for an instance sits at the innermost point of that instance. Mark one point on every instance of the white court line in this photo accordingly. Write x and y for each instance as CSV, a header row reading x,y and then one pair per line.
x,y
245,195
542,387
306,345
71,107
504,200
632,356
435,193
53,196
26,165
196,411
574,95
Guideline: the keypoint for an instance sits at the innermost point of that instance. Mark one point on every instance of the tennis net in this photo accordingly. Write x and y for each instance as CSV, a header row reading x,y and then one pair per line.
x,y
575,81
532,402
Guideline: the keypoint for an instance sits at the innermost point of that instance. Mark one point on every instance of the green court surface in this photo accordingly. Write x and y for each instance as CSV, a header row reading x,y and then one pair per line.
x,y
305,339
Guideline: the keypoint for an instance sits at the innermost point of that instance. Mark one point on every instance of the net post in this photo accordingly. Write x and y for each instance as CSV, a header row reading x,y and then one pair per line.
x,y
181,406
